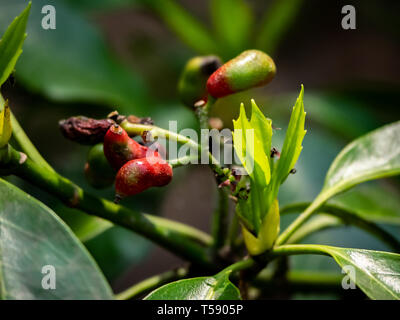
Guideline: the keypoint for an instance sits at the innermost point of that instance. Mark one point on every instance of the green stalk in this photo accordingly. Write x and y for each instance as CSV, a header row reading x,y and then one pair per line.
x,y
179,162
233,234
241,265
296,249
134,129
321,222
220,220
24,143
180,239
302,281
346,217
220,217
151,284
301,219
202,113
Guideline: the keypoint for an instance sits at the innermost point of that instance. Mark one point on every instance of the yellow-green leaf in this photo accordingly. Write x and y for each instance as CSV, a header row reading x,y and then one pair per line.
x,y
268,232
5,125
252,143
292,145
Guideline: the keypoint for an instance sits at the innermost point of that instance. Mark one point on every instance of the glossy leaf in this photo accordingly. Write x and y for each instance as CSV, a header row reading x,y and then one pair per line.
x,y
232,20
372,202
11,44
372,156
218,287
32,237
189,29
72,62
377,273
5,125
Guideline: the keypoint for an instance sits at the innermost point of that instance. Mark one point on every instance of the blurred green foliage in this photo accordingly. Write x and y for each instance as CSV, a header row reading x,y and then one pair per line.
x,y
72,63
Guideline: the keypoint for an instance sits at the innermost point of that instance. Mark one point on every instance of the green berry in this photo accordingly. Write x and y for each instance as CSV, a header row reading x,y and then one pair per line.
x,y
192,82
98,172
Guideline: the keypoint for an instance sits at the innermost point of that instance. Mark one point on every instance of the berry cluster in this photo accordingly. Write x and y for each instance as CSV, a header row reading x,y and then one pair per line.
x,y
134,167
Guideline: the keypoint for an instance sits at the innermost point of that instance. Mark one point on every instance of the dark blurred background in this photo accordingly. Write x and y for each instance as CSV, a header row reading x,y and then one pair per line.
x,y
128,54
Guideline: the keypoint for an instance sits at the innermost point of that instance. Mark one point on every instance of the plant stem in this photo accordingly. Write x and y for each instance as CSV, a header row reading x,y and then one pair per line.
x,y
286,250
156,132
151,283
24,143
180,239
241,265
301,219
202,112
220,216
348,217
233,240
296,249
302,281
321,222
175,163
220,220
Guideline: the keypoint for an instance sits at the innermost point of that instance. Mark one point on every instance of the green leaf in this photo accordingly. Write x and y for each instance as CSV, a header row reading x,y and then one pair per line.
x,y
5,125
11,44
374,203
372,156
218,287
377,273
275,23
291,149
267,234
263,127
189,29
31,237
250,140
72,62
232,20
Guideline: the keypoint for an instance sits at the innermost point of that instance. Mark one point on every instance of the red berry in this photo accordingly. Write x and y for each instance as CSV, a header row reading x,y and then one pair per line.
x,y
252,68
119,148
140,174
